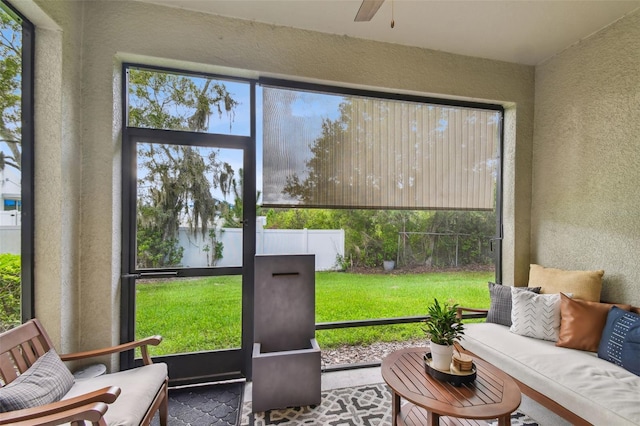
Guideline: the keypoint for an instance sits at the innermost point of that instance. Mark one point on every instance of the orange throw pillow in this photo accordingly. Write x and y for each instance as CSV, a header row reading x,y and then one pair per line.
x,y
582,322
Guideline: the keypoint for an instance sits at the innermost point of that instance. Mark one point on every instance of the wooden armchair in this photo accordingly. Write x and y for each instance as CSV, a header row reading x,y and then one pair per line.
x,y
133,396
477,313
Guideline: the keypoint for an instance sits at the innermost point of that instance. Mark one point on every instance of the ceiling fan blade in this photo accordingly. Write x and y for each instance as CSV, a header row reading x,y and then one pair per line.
x,y
368,8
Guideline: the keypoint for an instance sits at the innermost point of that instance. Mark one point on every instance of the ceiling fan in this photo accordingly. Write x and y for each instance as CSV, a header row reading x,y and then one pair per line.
x,y
367,10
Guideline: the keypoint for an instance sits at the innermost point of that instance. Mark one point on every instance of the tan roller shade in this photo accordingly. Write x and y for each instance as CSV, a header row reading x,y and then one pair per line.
x,y
360,152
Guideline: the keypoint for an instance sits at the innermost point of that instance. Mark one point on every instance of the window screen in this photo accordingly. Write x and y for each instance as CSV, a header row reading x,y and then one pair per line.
x,y
336,151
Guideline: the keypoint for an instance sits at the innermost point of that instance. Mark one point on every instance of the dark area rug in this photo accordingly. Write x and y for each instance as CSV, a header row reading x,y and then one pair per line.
x,y
217,404
368,405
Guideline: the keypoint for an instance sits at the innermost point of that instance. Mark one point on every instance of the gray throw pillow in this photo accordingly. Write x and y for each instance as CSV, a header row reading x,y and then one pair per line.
x,y
46,381
500,306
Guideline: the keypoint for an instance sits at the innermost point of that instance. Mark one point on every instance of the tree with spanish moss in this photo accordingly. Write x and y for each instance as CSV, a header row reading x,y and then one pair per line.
x,y
176,187
10,92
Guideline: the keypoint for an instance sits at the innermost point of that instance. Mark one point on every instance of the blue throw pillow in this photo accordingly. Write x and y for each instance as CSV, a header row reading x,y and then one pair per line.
x,y
631,349
620,337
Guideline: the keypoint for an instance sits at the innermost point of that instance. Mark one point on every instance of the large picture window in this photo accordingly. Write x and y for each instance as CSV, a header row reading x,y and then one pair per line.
x,y
414,185
16,167
396,196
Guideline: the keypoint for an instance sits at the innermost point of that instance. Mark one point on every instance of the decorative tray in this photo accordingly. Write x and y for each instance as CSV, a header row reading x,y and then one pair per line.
x,y
453,376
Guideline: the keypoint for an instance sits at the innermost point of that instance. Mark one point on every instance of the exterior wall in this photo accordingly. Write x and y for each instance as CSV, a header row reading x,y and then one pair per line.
x,y
9,185
131,31
586,159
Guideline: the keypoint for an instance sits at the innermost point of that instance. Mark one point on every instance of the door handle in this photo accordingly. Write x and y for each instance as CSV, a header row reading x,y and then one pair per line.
x,y
150,274
134,276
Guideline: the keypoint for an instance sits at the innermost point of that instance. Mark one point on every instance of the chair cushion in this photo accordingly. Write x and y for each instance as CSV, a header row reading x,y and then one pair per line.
x,y
500,302
46,381
139,386
585,285
582,322
600,392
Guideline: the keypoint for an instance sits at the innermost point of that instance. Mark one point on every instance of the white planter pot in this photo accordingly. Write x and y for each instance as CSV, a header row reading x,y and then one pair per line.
x,y
441,356
388,265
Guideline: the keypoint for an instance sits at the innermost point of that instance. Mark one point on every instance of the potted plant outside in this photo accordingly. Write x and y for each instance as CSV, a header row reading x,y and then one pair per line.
x,y
388,258
388,252
442,328
388,265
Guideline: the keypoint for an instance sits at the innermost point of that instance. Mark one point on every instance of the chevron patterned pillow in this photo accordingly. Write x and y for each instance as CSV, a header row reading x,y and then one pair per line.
x,y
535,315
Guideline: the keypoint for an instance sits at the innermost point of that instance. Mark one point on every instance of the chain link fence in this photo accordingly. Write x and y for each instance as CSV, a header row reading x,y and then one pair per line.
x,y
443,250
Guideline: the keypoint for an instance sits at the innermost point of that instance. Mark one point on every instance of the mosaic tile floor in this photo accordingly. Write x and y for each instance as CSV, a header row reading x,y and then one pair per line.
x,y
367,405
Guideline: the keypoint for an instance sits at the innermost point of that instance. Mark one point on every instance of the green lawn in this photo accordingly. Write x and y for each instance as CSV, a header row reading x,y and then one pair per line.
x,y
204,314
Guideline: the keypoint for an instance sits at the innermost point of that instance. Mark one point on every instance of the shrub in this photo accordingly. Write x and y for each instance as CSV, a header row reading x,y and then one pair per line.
x,y
156,251
9,291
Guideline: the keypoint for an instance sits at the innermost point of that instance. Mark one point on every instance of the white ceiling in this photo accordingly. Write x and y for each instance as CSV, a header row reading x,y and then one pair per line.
x,y
526,32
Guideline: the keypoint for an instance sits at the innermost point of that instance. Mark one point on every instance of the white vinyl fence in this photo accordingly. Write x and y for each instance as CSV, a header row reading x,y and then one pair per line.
x,y
10,222
10,218
327,245
10,239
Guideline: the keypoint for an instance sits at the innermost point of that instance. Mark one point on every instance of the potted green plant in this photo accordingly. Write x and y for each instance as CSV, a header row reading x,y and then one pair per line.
x,y
442,328
388,258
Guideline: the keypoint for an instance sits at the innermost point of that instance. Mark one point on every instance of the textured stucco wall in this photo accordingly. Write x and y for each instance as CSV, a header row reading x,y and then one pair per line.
x,y
114,31
586,161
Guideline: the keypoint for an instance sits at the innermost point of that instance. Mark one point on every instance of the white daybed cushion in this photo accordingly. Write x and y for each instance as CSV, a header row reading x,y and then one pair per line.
x,y
596,390
139,386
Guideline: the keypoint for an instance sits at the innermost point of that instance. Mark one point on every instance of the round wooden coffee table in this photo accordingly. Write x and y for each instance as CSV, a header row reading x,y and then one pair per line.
x,y
493,395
